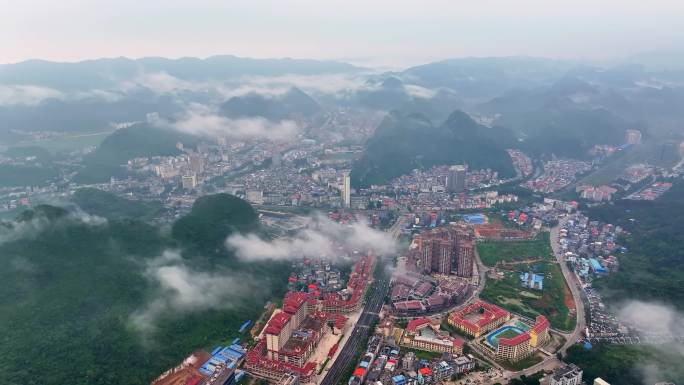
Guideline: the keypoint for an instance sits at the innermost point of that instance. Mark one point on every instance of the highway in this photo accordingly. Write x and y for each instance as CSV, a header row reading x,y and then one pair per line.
x,y
359,333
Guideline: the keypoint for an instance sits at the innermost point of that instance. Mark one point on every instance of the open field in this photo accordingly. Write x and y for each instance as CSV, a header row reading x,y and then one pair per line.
x,y
492,252
508,293
69,142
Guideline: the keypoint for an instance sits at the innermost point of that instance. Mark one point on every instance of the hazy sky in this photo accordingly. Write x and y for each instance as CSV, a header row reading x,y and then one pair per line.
x,y
386,32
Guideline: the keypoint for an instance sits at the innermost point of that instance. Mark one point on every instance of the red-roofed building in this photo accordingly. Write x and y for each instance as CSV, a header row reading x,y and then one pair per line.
x,y
292,335
416,324
522,345
539,334
423,334
257,364
425,372
478,318
352,298
411,307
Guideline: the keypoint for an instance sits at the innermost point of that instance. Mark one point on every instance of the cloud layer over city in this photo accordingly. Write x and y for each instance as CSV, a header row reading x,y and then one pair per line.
x,y
322,238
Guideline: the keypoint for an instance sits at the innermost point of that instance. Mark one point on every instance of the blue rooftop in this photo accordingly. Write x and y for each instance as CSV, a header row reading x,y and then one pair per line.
x,y
230,355
596,266
476,219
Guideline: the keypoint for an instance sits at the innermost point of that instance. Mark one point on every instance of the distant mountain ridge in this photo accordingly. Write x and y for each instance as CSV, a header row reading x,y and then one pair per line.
x,y
101,73
293,103
566,118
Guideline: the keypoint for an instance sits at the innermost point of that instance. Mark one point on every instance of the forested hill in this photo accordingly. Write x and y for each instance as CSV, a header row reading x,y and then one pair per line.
x,y
291,104
653,268
127,143
404,142
78,289
111,206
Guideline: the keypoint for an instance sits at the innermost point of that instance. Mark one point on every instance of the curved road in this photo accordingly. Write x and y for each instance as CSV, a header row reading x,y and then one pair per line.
x,y
574,286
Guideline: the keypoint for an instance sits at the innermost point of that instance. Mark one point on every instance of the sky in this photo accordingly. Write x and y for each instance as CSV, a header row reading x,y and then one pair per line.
x,y
384,33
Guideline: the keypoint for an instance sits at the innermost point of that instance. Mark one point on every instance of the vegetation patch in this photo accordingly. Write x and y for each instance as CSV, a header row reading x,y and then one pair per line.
x,y
510,294
493,252
628,364
70,288
108,205
653,267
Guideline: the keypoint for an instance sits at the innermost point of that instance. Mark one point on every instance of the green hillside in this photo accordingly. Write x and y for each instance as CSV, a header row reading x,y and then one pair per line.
x,y
15,175
405,142
211,218
108,205
70,289
626,364
653,268
291,104
127,143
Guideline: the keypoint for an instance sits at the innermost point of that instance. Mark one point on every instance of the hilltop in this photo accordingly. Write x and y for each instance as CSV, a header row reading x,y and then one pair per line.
x,y
139,140
404,142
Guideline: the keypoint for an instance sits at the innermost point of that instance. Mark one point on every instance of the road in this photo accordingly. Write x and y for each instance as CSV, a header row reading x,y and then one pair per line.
x,y
367,318
359,333
573,284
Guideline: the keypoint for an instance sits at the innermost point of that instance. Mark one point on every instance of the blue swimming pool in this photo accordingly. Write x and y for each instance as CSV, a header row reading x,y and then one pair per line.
x,y
493,339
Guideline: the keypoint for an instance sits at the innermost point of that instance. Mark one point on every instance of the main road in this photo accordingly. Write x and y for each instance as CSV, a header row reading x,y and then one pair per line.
x,y
359,333
368,317
573,284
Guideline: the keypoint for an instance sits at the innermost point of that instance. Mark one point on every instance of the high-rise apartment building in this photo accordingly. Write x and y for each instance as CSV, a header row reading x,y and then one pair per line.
x,y
456,180
633,136
346,190
446,250
196,163
189,182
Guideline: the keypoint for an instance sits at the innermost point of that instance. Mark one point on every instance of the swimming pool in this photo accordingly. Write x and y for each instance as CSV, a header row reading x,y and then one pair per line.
x,y
505,332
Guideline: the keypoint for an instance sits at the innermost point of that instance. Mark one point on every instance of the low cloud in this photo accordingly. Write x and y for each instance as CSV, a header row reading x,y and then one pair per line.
x,y
322,238
661,320
27,95
29,229
655,317
182,289
203,121
322,84
30,95
419,92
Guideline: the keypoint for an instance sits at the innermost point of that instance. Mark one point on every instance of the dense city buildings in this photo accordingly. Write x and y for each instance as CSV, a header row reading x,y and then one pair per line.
x,y
293,334
522,162
596,193
557,175
650,192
